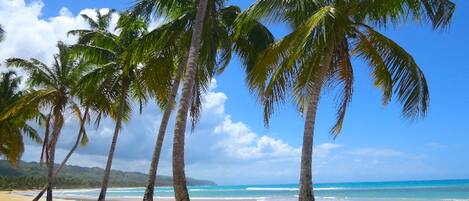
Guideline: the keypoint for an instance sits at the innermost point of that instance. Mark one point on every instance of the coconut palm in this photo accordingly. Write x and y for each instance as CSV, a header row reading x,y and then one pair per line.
x,y
102,23
179,175
189,84
52,87
318,52
81,139
175,34
117,75
13,128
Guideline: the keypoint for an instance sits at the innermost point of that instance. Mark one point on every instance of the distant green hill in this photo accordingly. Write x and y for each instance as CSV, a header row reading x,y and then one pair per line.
x,y
31,175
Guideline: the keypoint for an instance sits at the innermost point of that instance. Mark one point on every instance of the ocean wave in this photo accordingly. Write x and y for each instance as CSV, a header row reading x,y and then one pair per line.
x,y
289,189
215,190
270,189
329,189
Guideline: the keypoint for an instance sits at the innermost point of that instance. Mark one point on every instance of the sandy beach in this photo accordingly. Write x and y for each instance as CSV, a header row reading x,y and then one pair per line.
x,y
16,196
160,199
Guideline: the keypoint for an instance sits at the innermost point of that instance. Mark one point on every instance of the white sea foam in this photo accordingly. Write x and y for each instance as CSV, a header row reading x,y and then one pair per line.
x,y
271,189
328,189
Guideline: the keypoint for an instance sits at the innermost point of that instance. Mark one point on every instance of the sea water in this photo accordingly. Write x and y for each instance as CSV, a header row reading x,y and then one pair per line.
x,y
443,190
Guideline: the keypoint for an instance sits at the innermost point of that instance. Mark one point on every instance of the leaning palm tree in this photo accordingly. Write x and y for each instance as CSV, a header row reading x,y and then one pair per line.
x,y
179,175
318,52
13,128
52,86
101,24
117,75
175,35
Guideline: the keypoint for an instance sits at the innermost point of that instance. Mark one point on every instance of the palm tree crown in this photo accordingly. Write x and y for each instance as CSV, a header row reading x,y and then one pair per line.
x,y
341,30
13,128
53,88
326,35
117,76
215,53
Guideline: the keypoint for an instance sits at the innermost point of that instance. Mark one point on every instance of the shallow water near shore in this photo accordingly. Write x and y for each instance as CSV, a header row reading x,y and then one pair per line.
x,y
442,190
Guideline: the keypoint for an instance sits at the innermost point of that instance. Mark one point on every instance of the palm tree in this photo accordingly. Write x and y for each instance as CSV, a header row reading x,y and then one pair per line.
x,y
101,23
318,52
81,139
52,90
12,129
117,75
221,19
179,175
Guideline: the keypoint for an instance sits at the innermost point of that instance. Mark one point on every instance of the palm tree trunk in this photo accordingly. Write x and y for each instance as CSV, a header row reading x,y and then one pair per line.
x,y
107,170
306,175
58,122
75,146
306,183
149,191
179,175
46,139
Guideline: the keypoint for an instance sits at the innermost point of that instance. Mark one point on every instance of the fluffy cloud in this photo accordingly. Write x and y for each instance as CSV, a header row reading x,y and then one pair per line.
x,y
27,35
241,142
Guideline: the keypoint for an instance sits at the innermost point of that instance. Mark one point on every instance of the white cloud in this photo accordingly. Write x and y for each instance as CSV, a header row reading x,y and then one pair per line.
x,y
30,36
241,142
324,149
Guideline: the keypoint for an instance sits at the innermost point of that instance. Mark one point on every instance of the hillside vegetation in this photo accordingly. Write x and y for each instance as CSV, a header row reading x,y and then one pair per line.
x,y
31,175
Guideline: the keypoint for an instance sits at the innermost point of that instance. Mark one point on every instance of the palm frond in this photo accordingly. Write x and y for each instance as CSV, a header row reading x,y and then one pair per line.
x,y
344,76
94,54
408,80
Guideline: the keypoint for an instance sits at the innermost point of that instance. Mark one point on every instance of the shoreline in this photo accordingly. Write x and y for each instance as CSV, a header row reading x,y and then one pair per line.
x,y
18,195
15,195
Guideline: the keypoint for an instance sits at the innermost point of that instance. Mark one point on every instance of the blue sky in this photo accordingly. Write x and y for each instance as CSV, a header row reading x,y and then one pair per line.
x,y
375,144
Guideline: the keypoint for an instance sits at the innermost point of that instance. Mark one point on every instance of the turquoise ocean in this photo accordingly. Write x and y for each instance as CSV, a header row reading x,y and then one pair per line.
x,y
456,190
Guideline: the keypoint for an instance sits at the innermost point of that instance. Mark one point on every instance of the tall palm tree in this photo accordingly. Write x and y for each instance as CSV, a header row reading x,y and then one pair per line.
x,y
13,128
179,174
176,33
52,92
118,74
318,52
102,23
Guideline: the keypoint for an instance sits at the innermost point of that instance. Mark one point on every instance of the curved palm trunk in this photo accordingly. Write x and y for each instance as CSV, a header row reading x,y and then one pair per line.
x,y
107,170
75,146
149,191
46,139
58,123
306,178
179,175
306,175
